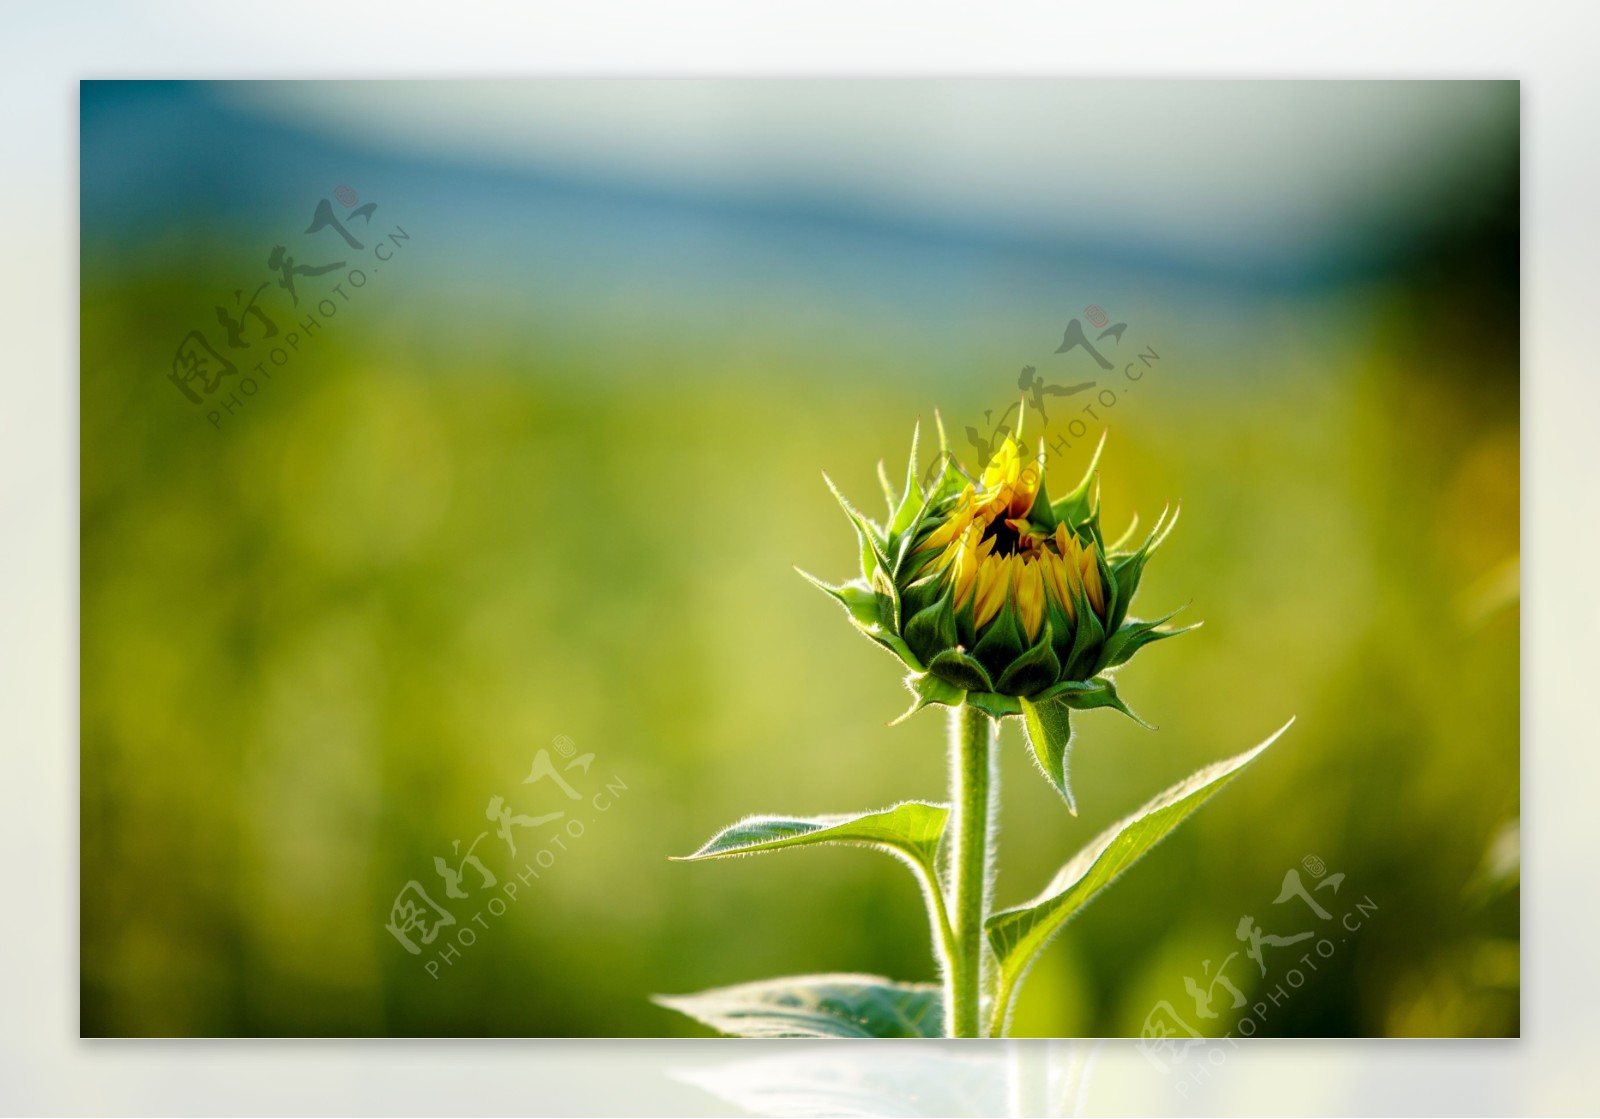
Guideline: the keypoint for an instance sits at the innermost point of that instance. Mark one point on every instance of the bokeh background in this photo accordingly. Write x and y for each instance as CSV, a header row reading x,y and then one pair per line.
x,y
545,475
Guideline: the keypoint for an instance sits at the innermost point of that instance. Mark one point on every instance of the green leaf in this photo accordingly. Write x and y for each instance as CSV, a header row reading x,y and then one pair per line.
x,y
817,1006
911,829
1017,935
1049,727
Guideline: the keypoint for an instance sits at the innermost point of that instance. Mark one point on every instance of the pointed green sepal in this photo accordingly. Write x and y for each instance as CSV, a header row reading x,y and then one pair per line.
x,y
1087,636
912,501
1134,635
1001,642
957,668
929,689
1086,695
994,705
1040,513
1129,569
1048,723
1115,606
865,610
922,593
874,549
1076,507
888,489
1116,546
859,601
888,598
932,630
1034,670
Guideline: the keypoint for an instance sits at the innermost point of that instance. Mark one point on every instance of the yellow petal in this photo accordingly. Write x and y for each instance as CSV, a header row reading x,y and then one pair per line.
x,y
1026,489
1091,581
1030,596
1066,543
954,525
994,580
1003,466
966,567
1055,569
1000,480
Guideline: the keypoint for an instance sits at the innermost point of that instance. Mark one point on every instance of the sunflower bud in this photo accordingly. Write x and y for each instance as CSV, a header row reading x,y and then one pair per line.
x,y
995,595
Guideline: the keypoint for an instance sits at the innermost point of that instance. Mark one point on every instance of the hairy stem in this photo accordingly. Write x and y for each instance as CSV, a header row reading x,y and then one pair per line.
x,y
944,937
1002,1005
972,788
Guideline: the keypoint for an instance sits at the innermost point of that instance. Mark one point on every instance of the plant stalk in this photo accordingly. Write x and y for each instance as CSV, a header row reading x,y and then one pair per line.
x,y
972,788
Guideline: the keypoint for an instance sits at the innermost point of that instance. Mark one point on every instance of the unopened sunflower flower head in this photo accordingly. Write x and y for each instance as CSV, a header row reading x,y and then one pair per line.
x,y
994,594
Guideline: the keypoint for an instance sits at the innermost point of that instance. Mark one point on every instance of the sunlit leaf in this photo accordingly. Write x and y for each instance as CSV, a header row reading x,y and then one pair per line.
x,y
817,1006
912,829
1017,935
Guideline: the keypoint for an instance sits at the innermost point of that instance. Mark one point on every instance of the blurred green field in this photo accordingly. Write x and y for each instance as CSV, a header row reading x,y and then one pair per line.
x,y
317,641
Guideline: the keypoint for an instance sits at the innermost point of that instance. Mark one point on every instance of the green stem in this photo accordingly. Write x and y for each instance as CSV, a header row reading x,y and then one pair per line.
x,y
972,787
944,937
1007,988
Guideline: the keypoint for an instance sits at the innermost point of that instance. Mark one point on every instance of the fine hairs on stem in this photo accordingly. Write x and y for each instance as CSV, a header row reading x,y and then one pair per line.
x,y
974,797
